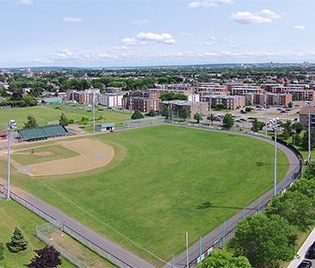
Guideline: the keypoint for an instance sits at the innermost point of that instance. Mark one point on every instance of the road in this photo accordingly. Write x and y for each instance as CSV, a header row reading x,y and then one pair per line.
x,y
303,250
73,227
215,236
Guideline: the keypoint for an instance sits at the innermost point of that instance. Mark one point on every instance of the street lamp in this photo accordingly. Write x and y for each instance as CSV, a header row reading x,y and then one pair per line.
x,y
274,125
309,157
11,127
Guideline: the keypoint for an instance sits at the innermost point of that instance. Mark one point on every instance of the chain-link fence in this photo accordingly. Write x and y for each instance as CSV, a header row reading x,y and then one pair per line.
x,y
43,231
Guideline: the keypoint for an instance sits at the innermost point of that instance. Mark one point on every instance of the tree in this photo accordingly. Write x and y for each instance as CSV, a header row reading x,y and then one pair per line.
x,y
182,112
31,122
151,113
304,186
1,251
165,112
290,104
63,120
228,121
298,127
221,258
265,241
305,140
309,172
47,257
198,117
29,101
295,207
297,139
18,242
257,125
137,115
84,120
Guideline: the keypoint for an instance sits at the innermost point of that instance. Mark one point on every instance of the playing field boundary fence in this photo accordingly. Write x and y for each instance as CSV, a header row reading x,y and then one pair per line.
x,y
42,233
68,230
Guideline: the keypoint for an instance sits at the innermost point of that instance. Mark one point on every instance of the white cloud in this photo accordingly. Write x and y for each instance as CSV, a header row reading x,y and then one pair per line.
x,y
64,54
72,19
263,16
24,2
140,22
299,27
165,38
209,3
142,39
186,34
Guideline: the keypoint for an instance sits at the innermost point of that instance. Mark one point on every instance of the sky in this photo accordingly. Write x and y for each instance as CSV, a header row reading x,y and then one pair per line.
x,y
112,33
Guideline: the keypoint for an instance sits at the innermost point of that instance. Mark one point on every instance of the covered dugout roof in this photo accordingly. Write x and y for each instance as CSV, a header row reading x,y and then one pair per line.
x,y
41,133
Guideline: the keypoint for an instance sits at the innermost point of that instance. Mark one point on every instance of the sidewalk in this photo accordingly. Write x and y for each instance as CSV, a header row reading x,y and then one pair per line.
x,y
301,253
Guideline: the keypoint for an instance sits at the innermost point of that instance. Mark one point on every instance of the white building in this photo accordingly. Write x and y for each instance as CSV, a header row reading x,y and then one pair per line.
x,y
111,100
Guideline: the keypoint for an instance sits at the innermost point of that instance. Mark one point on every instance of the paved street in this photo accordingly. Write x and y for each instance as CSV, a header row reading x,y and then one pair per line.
x,y
303,250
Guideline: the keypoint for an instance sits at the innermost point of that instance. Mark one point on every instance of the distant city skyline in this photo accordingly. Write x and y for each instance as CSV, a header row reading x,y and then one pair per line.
x,y
95,33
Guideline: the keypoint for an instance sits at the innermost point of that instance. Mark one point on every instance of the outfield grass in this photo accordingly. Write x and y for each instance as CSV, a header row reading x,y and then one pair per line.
x,y
160,175
32,156
46,114
12,215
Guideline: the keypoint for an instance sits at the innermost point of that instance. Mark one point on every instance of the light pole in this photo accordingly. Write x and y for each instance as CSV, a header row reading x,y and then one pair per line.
x,y
265,99
93,110
274,125
309,157
11,127
210,108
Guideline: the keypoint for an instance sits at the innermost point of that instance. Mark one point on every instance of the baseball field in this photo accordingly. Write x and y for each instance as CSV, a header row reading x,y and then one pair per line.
x,y
148,185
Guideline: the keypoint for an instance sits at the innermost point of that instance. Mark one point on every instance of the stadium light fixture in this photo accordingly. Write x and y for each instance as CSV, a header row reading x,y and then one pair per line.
x,y
11,128
274,125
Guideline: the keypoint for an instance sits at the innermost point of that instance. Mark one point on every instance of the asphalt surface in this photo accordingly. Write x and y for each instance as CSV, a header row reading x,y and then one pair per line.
x,y
301,253
215,237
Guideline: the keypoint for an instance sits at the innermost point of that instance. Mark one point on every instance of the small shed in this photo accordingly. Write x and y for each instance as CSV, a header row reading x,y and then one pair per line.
x,y
105,127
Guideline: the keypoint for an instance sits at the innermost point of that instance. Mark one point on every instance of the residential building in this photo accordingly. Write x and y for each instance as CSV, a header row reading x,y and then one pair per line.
x,y
144,101
229,102
269,99
111,100
84,97
303,114
244,89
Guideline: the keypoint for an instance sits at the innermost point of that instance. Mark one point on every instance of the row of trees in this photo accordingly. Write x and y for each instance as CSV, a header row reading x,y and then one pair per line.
x,y
32,123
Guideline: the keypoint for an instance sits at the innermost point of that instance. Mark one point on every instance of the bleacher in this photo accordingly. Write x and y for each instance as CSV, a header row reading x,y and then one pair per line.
x,y
42,133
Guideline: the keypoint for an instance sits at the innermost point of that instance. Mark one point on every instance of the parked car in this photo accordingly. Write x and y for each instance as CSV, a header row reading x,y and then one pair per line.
x,y
311,252
305,264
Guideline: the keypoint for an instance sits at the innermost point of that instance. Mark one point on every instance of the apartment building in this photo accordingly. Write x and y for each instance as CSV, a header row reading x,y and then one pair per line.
x,y
144,101
269,99
230,102
212,88
84,97
111,100
303,114
299,92
244,89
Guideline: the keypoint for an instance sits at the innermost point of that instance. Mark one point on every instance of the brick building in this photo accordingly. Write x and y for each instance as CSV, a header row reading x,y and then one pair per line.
x,y
177,106
228,102
144,101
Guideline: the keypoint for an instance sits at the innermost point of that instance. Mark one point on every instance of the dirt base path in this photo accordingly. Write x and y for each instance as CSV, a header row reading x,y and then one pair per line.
x,y
93,154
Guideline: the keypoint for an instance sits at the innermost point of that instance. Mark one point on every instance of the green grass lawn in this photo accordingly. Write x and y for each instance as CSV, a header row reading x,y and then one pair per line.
x,y
158,178
12,215
32,156
46,114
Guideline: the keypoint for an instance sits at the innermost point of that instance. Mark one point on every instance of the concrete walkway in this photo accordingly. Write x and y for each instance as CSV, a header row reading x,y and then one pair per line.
x,y
301,253
100,244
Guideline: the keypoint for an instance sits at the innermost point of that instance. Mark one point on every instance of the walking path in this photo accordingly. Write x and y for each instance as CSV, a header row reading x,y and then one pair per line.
x,y
301,253
214,238
100,244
